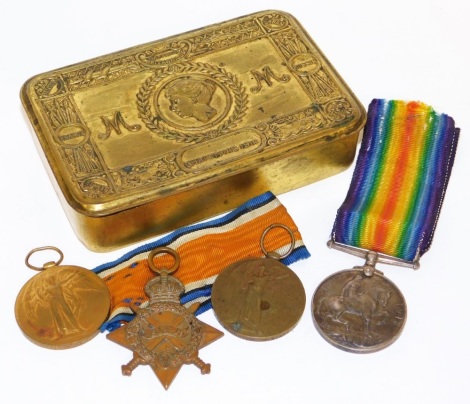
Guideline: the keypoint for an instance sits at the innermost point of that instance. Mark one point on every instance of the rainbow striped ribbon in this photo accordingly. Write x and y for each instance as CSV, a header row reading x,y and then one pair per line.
x,y
205,249
400,179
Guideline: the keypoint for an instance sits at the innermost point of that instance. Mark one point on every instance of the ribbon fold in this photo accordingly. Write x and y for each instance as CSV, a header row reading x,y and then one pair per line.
x,y
399,182
205,249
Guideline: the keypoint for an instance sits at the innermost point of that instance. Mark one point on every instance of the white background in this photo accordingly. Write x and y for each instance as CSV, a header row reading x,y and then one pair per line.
x,y
400,49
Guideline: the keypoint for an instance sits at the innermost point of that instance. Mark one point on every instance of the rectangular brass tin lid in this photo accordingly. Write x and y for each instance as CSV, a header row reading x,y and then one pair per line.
x,y
127,128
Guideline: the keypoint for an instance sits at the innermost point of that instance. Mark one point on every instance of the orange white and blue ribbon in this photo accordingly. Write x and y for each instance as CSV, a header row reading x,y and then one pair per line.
x,y
400,180
205,249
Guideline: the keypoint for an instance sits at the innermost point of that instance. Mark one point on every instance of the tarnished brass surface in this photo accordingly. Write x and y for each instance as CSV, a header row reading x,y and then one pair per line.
x,y
165,335
359,313
151,138
63,306
258,299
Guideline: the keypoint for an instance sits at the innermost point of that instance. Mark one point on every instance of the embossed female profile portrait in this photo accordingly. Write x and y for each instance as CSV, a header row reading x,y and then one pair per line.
x,y
191,102
190,97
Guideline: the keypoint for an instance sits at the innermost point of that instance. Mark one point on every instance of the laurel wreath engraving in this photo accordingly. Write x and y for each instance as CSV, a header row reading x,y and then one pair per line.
x,y
155,123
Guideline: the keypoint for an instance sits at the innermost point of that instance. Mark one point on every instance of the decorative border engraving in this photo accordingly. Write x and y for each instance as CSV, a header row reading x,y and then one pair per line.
x,y
101,73
164,54
72,136
151,172
49,87
307,65
165,61
158,55
274,22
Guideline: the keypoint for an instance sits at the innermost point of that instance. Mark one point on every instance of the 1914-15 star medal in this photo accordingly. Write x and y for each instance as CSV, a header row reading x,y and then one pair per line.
x,y
165,334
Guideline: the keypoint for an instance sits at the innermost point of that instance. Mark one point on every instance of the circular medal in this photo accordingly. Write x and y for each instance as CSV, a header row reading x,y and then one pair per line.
x,y
359,312
259,299
62,306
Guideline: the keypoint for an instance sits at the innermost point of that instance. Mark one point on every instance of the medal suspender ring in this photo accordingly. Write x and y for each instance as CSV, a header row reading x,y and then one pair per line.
x,y
273,254
47,264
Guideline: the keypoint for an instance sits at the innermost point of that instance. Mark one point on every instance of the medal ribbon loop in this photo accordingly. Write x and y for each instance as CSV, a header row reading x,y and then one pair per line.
x,y
399,182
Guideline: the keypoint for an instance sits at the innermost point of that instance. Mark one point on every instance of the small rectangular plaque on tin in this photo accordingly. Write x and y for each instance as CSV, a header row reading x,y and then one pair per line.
x,y
164,134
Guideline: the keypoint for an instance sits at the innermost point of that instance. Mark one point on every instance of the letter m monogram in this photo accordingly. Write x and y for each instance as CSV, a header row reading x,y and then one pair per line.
x,y
266,75
114,124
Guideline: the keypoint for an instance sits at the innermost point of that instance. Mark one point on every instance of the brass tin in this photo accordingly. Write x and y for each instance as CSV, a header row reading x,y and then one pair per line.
x,y
161,135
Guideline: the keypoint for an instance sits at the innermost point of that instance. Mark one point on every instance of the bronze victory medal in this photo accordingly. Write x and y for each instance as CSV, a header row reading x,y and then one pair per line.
x,y
258,299
358,312
62,306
